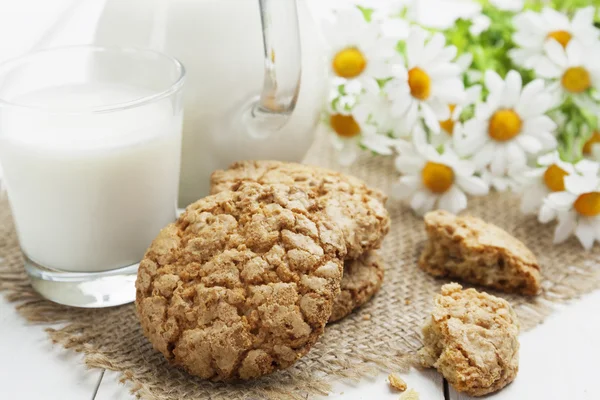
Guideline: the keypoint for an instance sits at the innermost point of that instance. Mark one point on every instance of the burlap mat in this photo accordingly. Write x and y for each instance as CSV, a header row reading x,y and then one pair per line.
x,y
383,335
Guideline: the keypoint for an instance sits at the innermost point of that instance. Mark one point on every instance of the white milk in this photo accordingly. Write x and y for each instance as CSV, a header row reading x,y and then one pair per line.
x,y
89,192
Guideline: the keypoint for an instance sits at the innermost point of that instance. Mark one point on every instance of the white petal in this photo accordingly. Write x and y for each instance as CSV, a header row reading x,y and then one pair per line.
x,y
565,228
529,143
444,71
547,140
584,16
432,48
545,68
454,200
578,184
587,167
401,104
409,164
451,91
499,163
464,61
512,90
493,82
405,187
422,202
485,155
556,53
440,109
414,46
530,91
556,19
473,185
347,155
560,200
541,123
575,53
532,199
430,118
546,213
586,233
515,156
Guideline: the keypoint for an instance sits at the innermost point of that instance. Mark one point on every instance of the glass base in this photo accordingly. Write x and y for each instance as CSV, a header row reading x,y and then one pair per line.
x,y
84,289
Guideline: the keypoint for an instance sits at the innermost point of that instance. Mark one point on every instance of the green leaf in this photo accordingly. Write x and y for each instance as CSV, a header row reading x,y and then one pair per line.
x,y
366,12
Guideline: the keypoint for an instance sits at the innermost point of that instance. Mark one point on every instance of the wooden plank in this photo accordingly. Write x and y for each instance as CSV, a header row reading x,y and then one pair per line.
x,y
559,359
33,368
111,389
428,383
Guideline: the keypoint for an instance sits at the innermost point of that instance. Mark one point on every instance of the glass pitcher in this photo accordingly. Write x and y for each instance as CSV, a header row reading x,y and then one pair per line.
x,y
256,74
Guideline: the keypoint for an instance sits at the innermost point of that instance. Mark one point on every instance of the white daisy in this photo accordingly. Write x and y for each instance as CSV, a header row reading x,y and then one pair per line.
x,y
508,5
375,107
577,209
357,49
431,180
574,72
509,125
534,30
353,131
451,129
542,181
427,83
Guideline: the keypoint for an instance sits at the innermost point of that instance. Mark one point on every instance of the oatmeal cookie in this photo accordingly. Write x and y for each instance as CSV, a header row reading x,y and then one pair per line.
x,y
361,281
477,252
242,284
472,340
348,201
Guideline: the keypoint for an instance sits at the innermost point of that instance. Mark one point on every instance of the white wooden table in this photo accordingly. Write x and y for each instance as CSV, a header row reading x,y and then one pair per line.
x,y
558,358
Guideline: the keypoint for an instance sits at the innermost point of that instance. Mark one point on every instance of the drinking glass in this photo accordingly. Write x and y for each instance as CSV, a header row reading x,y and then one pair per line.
x,y
90,144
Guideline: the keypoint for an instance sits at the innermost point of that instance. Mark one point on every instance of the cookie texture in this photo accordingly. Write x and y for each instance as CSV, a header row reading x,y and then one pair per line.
x,y
242,284
348,201
474,251
472,340
361,281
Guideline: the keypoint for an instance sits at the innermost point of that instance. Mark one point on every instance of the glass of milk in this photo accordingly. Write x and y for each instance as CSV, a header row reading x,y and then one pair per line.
x,y
90,144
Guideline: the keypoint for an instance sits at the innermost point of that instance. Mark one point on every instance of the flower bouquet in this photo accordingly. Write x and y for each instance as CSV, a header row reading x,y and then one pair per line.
x,y
506,96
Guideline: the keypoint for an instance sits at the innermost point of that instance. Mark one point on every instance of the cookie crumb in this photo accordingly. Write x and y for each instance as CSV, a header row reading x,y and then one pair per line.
x,y
410,394
367,317
397,383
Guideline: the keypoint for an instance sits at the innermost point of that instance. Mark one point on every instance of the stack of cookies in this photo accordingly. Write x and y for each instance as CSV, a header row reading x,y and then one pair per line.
x,y
243,283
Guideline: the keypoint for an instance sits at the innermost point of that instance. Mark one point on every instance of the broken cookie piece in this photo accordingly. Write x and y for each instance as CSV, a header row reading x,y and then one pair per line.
x,y
471,339
470,249
397,383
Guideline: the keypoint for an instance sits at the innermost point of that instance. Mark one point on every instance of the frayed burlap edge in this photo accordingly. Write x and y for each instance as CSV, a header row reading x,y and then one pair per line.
x,y
383,336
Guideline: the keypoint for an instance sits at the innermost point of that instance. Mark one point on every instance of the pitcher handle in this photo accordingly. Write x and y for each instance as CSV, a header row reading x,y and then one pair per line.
x,y
282,58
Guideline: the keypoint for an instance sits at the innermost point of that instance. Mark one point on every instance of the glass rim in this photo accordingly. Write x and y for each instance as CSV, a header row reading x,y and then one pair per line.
x,y
8,65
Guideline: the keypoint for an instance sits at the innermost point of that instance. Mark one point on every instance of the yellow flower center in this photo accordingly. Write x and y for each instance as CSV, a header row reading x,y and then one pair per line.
x,y
587,147
349,63
588,204
344,125
437,177
554,177
504,125
420,83
562,37
576,80
448,125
